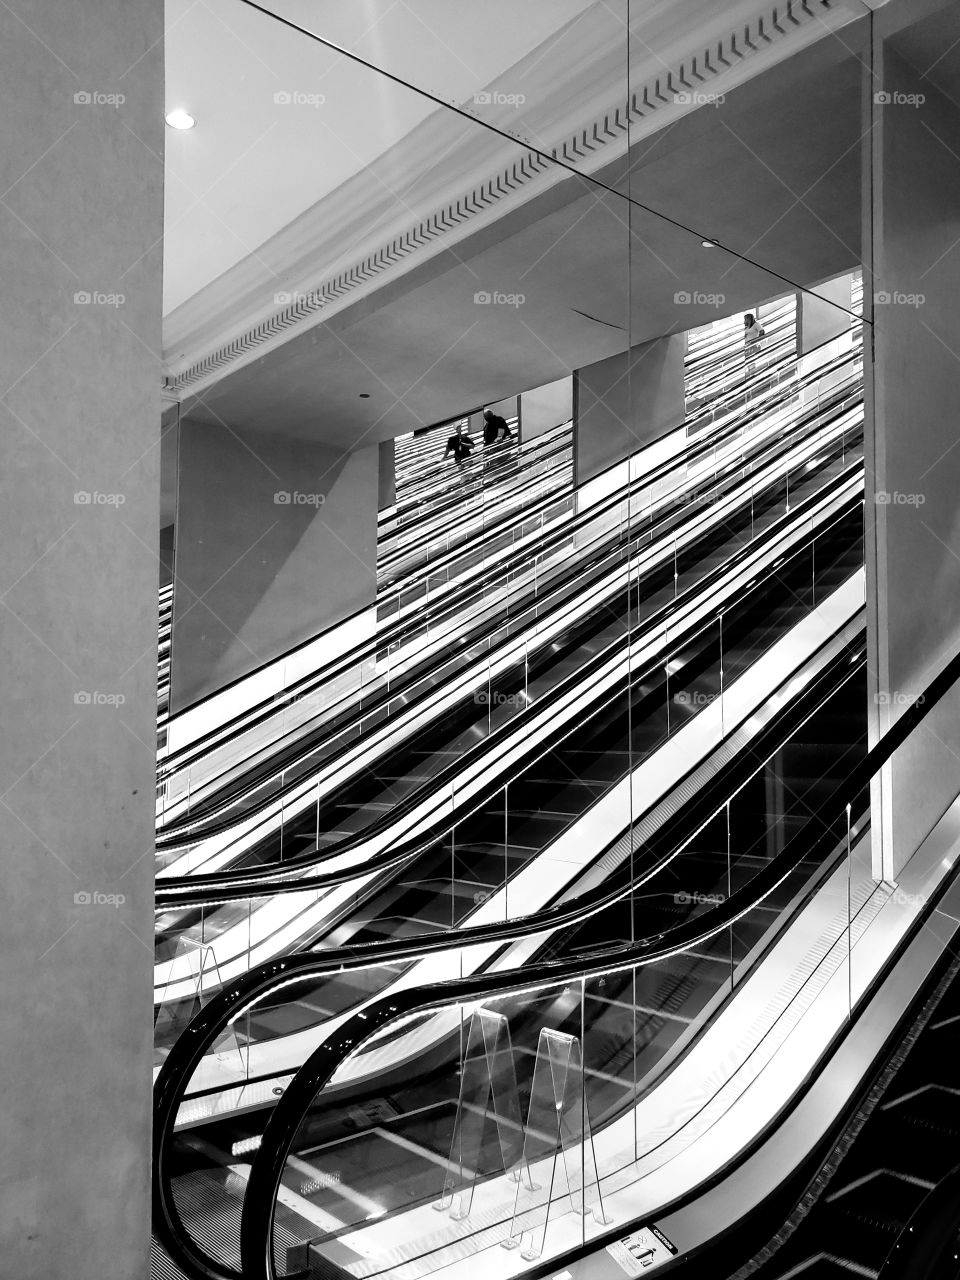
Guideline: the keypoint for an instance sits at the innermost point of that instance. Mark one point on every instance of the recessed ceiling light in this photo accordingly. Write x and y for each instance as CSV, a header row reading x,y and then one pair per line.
x,y
180,119
709,244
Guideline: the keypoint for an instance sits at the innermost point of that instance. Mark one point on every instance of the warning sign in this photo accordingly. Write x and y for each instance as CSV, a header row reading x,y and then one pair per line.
x,y
642,1249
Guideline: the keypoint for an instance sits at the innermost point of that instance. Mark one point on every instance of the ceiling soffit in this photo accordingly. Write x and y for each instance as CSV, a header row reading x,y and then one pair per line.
x,y
363,234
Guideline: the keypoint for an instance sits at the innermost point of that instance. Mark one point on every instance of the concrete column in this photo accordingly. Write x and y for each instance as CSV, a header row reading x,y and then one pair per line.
x,y
546,407
912,518
625,401
81,88
276,541
823,314
387,476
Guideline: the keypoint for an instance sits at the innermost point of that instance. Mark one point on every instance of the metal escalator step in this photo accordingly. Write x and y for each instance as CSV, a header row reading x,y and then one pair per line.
x,y
827,1266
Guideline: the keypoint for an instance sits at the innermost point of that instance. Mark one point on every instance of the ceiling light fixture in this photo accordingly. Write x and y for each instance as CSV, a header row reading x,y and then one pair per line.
x,y
709,244
180,119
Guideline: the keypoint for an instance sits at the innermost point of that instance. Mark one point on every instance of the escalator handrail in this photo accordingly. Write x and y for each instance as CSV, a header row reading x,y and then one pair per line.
x,y
285,1120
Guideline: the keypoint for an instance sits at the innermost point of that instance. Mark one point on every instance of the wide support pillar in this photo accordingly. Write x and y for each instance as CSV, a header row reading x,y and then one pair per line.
x,y
81,234
912,515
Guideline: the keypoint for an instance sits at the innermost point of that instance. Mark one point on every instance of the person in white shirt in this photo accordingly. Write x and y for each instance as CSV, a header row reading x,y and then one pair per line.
x,y
752,335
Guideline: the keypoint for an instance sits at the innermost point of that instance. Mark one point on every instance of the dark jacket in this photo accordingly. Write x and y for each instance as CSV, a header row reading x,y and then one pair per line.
x,y
495,428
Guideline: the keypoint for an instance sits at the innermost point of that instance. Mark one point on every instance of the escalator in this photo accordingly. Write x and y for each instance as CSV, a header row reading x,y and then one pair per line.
x,y
502,662
693,1134
463,863
580,993
638,891
707,873
872,1209
486,863
533,562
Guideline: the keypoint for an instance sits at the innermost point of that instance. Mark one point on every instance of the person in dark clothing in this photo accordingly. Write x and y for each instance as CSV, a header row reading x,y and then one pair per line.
x,y
494,427
460,446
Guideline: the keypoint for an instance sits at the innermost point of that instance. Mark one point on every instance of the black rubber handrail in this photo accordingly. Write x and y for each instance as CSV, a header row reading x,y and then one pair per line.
x,y
187,831
257,880
209,1024
287,1116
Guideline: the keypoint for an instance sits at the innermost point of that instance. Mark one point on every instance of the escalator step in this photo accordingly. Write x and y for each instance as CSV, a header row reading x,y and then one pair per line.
x,y
825,1266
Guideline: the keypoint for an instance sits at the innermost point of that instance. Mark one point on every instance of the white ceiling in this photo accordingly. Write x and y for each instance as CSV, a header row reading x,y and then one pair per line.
x,y
252,164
